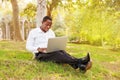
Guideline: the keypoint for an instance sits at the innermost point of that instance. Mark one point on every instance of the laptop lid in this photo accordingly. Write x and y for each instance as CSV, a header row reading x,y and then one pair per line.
x,y
57,43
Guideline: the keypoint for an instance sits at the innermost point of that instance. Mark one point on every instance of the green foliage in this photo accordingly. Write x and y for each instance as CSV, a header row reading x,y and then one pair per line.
x,y
58,26
30,11
93,21
53,3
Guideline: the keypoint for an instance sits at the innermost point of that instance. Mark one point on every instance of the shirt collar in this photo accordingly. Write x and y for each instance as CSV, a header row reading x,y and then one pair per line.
x,y
40,31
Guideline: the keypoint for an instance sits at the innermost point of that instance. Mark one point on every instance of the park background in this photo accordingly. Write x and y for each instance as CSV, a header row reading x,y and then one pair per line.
x,y
91,26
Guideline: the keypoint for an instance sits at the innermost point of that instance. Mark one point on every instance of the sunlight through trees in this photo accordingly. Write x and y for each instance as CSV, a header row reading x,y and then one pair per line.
x,y
83,21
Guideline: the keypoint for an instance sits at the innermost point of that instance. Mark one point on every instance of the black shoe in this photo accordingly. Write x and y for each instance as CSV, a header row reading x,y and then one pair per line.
x,y
85,59
83,68
84,63
75,66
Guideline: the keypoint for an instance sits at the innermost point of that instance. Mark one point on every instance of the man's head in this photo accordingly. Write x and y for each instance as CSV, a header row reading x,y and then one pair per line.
x,y
46,23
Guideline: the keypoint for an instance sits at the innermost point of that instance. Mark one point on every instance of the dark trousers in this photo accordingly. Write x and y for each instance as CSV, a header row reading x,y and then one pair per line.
x,y
57,57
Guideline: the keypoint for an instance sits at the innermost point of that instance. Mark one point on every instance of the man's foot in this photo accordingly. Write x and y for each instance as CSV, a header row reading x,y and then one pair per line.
x,y
85,59
84,68
75,66
85,63
89,65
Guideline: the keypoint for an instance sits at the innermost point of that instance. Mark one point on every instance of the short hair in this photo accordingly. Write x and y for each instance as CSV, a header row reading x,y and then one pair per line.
x,y
46,18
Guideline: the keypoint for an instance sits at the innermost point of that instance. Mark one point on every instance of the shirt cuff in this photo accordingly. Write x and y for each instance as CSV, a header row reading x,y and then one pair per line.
x,y
35,50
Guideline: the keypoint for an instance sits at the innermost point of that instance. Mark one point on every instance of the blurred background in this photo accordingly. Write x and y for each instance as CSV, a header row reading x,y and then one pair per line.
x,y
95,22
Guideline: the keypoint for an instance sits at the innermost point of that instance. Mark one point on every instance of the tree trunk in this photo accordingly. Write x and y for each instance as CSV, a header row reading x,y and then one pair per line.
x,y
7,31
1,34
41,11
17,35
49,11
22,31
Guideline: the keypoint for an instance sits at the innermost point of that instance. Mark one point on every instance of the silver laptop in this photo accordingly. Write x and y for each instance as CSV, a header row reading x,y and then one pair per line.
x,y
57,43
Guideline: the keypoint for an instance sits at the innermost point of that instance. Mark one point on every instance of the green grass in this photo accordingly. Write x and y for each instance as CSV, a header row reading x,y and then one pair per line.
x,y
16,64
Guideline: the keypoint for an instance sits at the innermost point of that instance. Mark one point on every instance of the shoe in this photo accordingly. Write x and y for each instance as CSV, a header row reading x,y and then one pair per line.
x,y
89,65
84,63
85,59
83,68
75,66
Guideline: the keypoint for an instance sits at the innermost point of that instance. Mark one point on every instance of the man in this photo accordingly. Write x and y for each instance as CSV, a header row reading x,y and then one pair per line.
x,y
37,43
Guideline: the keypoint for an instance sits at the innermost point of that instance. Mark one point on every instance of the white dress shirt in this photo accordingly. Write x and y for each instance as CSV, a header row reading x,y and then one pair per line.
x,y
38,39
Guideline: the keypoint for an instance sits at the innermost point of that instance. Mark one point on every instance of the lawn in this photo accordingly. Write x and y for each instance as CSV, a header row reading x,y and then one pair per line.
x,y
17,64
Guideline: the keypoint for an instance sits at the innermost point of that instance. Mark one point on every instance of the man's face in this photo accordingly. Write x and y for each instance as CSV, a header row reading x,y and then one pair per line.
x,y
46,25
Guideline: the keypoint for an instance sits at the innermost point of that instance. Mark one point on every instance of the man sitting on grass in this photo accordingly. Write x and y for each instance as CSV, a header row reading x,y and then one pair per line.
x,y
37,43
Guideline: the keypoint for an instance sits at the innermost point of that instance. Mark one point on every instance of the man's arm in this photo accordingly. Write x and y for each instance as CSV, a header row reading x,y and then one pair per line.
x,y
42,50
30,43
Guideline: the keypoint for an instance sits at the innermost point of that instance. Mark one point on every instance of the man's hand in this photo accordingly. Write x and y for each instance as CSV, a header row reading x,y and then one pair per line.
x,y
42,49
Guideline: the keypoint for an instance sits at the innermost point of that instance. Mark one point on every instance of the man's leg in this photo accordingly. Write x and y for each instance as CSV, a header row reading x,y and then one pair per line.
x,y
63,57
56,56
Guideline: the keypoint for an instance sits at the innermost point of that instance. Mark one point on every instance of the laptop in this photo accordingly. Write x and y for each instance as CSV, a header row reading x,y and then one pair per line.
x,y
57,43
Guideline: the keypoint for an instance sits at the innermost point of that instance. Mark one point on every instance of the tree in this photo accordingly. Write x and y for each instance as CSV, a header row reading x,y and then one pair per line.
x,y
17,34
93,21
41,11
51,4
28,15
6,18
29,11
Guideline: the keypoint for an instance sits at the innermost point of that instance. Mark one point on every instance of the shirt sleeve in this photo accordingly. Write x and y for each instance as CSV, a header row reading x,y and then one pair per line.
x,y
30,43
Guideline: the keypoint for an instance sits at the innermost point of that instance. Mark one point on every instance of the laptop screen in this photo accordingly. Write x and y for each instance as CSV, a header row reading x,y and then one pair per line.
x,y
57,43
